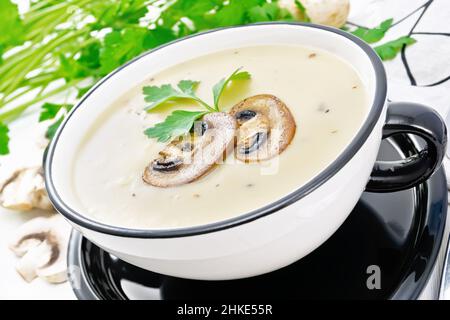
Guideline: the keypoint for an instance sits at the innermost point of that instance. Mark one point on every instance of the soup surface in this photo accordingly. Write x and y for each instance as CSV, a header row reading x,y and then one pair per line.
x,y
324,94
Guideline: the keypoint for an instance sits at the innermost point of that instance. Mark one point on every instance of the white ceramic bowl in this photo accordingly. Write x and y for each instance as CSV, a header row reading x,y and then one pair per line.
x,y
282,232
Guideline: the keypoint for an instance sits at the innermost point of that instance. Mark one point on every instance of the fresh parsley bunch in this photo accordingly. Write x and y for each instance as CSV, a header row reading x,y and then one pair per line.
x,y
60,46
180,122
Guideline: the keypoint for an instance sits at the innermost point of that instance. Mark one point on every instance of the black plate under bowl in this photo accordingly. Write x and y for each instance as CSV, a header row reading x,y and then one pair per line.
x,y
399,233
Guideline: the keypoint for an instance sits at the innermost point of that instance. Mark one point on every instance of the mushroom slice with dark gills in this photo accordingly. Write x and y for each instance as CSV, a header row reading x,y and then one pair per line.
x,y
182,162
265,127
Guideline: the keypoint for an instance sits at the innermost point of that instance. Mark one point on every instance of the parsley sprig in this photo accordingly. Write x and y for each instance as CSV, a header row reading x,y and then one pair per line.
x,y
180,122
159,95
375,34
176,124
51,111
222,84
388,50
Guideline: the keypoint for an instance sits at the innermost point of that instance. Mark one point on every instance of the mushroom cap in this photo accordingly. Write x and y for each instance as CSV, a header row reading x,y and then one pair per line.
x,y
327,12
209,150
281,125
332,13
25,190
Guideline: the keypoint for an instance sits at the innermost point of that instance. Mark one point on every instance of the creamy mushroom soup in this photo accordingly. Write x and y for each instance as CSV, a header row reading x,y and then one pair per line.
x,y
320,97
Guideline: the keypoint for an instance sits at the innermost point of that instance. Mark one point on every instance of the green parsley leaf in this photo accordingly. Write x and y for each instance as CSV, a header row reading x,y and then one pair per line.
x,y
11,26
156,96
375,34
390,49
222,84
258,14
50,110
302,10
268,12
90,56
180,122
158,37
238,12
70,69
4,139
117,13
188,86
51,130
195,10
120,47
176,124
230,14
2,49
82,91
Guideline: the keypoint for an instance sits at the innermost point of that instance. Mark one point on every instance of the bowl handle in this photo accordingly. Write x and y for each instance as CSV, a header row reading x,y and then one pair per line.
x,y
419,120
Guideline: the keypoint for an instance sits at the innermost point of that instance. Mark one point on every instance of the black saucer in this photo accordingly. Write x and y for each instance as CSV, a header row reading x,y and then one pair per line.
x,y
399,232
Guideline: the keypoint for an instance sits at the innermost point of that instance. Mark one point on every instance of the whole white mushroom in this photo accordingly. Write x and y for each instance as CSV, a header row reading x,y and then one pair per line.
x,y
332,13
25,190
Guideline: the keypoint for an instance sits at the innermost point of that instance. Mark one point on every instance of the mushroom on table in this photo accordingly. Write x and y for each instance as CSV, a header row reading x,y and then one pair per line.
x,y
25,190
41,244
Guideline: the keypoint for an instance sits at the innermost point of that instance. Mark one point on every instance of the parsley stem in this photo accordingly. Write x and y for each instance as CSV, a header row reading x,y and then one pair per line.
x,y
43,21
33,16
35,6
39,79
203,103
38,33
11,74
15,112
36,59
19,94
13,60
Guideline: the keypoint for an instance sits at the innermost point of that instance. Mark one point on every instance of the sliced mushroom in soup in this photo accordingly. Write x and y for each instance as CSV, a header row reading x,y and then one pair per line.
x,y
265,127
184,161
